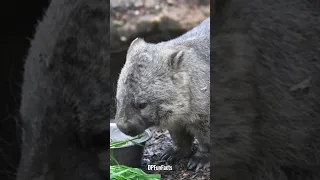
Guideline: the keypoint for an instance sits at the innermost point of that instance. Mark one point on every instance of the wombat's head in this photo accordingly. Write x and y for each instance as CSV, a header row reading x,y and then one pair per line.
x,y
152,87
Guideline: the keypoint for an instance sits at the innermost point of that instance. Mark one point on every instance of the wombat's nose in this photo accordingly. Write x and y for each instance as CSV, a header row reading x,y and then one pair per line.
x,y
122,127
128,130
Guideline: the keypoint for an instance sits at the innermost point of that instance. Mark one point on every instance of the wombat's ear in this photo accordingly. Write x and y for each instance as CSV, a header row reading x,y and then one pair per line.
x,y
176,59
135,42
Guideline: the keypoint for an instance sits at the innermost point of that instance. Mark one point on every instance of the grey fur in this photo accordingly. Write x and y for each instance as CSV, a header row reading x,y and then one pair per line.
x,y
167,85
265,118
65,94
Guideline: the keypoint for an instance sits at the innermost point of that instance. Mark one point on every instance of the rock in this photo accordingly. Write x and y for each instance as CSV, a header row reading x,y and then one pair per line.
x,y
150,3
138,3
152,16
170,2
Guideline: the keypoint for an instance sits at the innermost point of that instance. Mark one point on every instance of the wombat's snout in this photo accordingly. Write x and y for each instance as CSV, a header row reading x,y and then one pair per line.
x,y
129,128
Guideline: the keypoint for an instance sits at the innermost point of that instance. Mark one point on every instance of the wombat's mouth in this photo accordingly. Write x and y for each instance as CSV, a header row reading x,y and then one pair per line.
x,y
133,132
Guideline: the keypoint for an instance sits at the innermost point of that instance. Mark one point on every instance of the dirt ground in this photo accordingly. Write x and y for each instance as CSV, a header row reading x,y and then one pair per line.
x,y
154,149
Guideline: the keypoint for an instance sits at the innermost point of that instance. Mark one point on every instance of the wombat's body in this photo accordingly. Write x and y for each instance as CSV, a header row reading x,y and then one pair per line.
x,y
65,94
265,90
167,85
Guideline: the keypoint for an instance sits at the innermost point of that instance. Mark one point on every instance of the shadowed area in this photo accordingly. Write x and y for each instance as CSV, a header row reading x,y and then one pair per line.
x,y
18,20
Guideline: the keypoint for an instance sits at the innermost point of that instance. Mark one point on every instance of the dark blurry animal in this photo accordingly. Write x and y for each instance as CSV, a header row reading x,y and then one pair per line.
x,y
265,90
65,94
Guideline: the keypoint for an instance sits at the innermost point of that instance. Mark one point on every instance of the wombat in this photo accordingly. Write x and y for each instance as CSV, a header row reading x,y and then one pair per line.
x,y
65,94
168,85
265,86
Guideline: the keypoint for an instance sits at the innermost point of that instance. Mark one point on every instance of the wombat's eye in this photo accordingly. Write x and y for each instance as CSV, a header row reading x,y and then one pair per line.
x,y
142,105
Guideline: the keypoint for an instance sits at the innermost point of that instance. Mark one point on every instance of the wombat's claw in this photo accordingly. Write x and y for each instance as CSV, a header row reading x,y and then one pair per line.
x,y
199,161
170,155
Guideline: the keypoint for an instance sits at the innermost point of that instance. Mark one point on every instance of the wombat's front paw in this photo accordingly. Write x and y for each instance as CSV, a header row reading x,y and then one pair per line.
x,y
199,160
172,155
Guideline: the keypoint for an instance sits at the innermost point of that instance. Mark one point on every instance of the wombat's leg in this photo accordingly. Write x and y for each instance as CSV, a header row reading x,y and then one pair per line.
x,y
182,143
201,159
